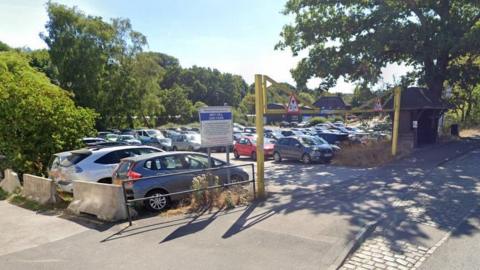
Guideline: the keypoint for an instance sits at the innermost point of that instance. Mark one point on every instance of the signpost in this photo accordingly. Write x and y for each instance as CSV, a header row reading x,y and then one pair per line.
x,y
292,107
216,129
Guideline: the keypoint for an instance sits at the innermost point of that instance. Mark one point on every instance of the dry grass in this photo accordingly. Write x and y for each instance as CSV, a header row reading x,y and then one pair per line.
x,y
204,200
369,154
470,132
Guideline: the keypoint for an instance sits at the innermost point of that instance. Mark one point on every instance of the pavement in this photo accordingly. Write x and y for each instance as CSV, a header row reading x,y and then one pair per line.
x,y
22,229
422,217
460,250
312,214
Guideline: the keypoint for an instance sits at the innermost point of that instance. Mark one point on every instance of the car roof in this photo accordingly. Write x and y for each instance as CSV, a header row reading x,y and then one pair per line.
x,y
109,149
161,154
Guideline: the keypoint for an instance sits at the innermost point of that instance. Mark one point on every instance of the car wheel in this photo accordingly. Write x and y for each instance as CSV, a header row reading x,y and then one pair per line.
x,y
235,154
277,157
306,159
254,156
328,161
157,204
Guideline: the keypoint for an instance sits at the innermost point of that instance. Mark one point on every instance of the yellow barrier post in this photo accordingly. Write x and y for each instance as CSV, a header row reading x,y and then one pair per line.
x,y
396,118
259,109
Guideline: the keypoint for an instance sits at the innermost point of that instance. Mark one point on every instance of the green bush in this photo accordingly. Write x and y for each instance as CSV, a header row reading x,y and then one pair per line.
x,y
3,194
337,118
37,118
316,120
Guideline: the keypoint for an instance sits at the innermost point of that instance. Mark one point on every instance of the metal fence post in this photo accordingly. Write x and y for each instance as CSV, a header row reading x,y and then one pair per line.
x,y
127,208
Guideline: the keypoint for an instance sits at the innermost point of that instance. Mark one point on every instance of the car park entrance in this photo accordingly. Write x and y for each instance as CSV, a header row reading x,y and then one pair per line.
x,y
293,108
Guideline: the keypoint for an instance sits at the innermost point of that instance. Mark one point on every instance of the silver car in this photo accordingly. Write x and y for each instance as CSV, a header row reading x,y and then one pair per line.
x,y
95,164
186,142
152,174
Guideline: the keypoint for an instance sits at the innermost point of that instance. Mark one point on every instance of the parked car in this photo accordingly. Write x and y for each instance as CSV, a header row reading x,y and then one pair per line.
x,y
154,137
150,175
304,148
188,142
102,134
95,165
303,124
247,146
111,137
92,140
128,139
250,130
284,124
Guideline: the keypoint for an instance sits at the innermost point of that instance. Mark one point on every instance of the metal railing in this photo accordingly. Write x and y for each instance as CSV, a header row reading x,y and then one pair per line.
x,y
130,202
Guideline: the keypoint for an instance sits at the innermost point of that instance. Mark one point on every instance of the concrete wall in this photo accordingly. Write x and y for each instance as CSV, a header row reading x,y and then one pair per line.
x,y
11,182
105,201
39,189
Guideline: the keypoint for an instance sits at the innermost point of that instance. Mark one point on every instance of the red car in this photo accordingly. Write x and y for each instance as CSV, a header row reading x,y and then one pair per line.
x,y
247,146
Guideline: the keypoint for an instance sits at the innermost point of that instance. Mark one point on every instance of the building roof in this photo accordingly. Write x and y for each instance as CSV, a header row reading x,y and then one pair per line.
x,y
284,106
415,98
330,103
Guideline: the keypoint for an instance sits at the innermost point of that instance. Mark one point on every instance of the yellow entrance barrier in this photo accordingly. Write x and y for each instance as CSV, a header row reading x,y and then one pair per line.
x,y
261,109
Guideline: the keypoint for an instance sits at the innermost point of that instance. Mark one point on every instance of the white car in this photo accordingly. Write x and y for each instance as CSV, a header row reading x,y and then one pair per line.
x,y
95,165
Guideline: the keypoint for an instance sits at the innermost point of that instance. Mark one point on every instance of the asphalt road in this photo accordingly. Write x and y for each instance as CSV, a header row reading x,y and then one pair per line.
x,y
311,214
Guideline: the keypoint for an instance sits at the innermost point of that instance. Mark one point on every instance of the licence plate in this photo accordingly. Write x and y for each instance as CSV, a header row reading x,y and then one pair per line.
x,y
327,155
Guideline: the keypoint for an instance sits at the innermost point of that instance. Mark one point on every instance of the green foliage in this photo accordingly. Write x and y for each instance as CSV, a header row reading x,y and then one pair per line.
x,y
361,95
177,105
316,120
465,83
4,47
37,118
3,194
212,86
356,39
40,60
104,66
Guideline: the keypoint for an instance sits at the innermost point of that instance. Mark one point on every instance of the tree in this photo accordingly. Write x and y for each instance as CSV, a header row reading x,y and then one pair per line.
x,y
465,82
355,39
361,94
37,118
94,60
4,47
40,60
177,105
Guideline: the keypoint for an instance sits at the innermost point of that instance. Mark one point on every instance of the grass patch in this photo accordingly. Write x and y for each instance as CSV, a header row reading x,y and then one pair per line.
x,y
23,202
3,195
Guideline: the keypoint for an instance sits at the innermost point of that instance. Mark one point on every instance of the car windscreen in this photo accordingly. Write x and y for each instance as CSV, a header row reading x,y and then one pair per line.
x,y
155,133
74,158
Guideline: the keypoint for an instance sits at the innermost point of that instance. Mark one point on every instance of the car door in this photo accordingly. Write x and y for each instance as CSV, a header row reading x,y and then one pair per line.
x,y
242,146
180,167
295,148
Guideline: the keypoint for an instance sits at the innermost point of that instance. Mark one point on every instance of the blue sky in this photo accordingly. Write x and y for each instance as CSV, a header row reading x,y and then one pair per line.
x,y
236,36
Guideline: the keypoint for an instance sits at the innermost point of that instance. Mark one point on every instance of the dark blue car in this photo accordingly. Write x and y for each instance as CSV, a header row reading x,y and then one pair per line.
x,y
304,148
